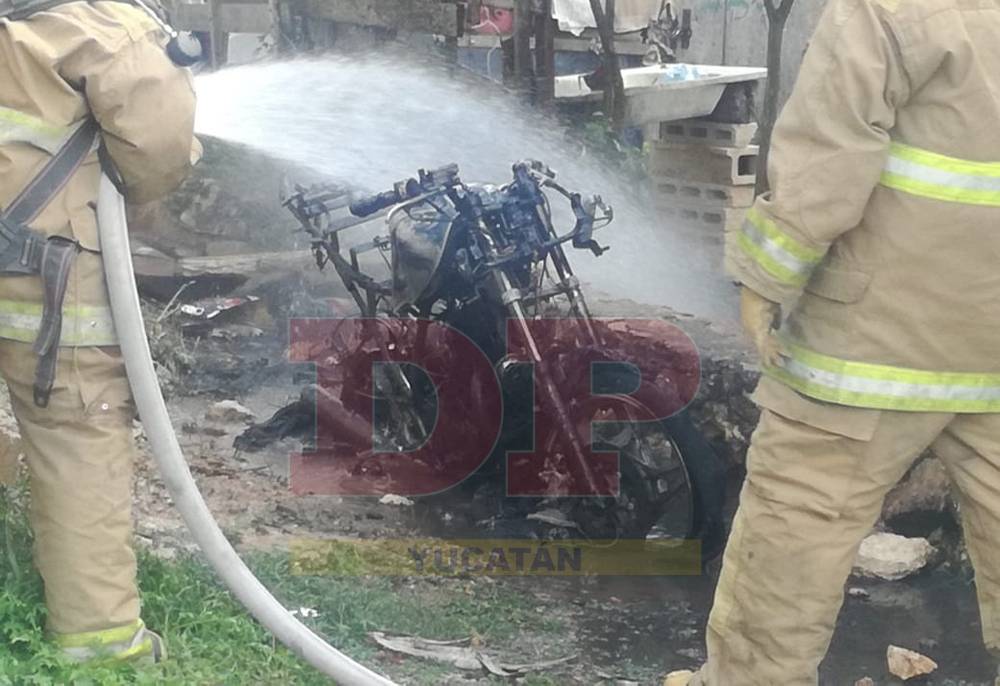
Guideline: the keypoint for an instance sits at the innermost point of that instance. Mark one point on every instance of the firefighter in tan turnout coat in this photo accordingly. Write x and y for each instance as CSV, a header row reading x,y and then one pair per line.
x,y
59,67
881,239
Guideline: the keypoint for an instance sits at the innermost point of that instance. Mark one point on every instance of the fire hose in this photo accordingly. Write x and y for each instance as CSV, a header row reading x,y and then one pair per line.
x,y
226,562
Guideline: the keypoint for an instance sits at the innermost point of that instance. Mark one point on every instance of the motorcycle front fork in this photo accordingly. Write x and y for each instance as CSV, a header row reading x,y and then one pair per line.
x,y
551,395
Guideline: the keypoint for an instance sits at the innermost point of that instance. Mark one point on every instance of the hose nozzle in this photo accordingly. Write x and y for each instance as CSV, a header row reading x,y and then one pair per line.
x,y
185,49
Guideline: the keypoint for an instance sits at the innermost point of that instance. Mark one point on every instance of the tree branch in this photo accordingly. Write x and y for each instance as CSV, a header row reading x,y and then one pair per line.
x,y
777,15
614,88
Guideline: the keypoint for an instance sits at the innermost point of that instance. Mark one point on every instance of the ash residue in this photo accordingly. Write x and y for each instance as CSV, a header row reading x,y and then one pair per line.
x,y
723,409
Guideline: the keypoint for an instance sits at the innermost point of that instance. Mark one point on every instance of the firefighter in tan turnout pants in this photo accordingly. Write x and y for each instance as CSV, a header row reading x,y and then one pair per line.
x,y
57,68
882,237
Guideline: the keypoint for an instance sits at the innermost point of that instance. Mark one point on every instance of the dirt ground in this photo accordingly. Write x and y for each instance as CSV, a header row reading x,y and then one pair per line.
x,y
622,629
632,628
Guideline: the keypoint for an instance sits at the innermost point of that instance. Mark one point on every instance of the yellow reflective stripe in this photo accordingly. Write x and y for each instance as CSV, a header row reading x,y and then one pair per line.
x,y
776,252
83,326
18,127
21,307
770,265
782,239
935,192
940,177
886,387
39,126
98,639
144,647
954,165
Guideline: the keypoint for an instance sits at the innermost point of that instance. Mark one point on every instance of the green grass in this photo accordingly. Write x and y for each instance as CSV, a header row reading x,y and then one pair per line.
x,y
212,641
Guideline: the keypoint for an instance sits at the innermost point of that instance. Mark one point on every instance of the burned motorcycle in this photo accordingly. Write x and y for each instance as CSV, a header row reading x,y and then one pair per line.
x,y
587,431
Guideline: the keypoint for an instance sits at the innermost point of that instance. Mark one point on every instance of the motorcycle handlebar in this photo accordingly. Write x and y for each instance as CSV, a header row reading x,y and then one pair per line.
x,y
375,203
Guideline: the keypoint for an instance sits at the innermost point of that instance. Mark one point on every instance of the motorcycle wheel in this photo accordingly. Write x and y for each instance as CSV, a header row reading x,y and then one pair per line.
x,y
671,483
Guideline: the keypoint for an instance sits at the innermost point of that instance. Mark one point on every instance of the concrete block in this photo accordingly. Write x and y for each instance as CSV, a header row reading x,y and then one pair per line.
x,y
702,131
705,164
726,220
670,191
730,241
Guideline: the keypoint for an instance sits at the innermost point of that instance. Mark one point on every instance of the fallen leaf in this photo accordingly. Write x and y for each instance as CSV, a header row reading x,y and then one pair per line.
x,y
461,654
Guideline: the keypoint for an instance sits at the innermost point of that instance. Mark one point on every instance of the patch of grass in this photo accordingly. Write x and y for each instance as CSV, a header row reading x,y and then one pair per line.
x,y
599,139
212,641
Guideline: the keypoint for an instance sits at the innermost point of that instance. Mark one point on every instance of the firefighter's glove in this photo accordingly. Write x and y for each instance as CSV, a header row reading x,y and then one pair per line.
x,y
760,318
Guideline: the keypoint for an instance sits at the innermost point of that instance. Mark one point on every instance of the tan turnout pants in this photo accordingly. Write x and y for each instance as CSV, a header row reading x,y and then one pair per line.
x,y
79,452
817,477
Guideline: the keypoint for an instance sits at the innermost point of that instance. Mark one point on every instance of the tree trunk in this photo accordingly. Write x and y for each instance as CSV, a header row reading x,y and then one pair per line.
x,y
777,17
524,71
545,56
614,89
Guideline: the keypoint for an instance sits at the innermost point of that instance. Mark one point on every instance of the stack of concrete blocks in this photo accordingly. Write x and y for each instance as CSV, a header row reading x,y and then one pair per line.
x,y
703,174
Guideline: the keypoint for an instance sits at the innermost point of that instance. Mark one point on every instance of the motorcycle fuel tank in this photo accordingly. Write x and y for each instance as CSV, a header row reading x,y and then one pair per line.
x,y
423,237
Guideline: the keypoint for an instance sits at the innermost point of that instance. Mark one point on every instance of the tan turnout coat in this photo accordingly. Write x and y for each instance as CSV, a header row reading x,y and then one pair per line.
x,y
58,66
884,220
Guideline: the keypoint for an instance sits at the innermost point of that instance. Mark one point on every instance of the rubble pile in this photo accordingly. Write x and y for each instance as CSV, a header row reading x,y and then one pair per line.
x,y
723,409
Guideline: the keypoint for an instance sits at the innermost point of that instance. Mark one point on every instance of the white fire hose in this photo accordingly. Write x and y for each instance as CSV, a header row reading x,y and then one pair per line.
x,y
153,411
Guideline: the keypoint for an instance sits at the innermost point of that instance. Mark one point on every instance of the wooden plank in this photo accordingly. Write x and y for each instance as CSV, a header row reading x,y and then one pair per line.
x,y
562,44
545,56
625,43
473,12
523,30
246,18
233,17
418,16
218,35
248,265
191,17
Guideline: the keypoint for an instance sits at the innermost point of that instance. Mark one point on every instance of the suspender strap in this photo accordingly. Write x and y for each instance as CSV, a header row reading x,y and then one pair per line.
x,y
26,251
57,259
53,176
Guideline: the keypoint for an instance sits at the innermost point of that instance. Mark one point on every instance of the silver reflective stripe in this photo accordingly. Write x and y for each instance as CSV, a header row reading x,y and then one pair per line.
x,y
18,127
775,251
882,386
934,176
941,177
888,388
89,326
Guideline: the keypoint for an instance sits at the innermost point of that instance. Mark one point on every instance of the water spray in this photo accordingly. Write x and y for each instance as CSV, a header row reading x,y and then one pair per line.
x,y
359,121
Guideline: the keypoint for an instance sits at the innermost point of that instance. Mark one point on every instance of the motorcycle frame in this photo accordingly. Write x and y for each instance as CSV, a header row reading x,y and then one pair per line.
x,y
368,292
